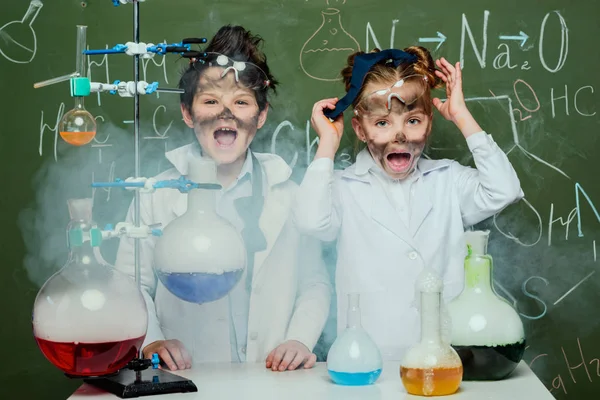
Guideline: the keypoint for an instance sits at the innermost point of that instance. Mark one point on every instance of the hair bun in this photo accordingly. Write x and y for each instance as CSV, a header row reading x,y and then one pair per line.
x,y
424,65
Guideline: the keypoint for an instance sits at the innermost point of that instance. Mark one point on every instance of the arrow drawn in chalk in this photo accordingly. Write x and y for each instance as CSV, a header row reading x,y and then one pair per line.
x,y
440,39
522,37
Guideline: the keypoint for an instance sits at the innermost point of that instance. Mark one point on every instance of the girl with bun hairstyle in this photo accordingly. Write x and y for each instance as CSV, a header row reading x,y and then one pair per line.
x,y
393,212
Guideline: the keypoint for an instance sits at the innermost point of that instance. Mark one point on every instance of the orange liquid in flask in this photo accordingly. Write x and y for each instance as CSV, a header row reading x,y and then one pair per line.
x,y
438,381
77,138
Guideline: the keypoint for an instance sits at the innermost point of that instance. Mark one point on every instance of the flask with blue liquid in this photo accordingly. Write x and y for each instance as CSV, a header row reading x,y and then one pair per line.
x,y
354,359
200,257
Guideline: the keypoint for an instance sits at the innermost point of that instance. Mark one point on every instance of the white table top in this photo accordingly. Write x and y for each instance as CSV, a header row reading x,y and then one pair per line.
x,y
254,381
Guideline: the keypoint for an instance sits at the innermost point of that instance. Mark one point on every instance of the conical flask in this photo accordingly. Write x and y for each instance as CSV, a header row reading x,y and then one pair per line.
x,y
330,45
487,332
88,319
354,358
200,257
18,41
431,367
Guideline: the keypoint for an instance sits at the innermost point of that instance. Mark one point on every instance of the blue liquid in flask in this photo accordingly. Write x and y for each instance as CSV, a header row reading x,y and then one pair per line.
x,y
354,378
354,359
200,287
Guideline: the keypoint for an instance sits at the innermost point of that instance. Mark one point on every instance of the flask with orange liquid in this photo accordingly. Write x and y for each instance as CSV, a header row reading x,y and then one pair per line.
x,y
431,367
78,127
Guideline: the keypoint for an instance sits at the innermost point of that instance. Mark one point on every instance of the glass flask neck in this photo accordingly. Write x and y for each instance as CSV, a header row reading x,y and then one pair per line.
x,y
79,103
32,12
478,273
430,317
201,200
353,314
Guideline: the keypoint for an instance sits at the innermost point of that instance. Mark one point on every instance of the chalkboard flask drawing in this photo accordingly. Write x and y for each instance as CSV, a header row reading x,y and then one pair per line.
x,y
200,256
18,41
431,367
354,359
89,319
487,331
330,45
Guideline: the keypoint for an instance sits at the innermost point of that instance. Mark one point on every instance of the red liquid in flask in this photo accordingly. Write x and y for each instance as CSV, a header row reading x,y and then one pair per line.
x,y
90,359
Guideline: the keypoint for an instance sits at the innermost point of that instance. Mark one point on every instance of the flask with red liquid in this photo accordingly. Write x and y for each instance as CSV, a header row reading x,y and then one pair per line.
x,y
88,319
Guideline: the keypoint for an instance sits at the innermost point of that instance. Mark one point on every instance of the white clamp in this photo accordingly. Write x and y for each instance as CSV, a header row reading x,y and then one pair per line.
x,y
139,49
130,1
148,184
124,89
129,230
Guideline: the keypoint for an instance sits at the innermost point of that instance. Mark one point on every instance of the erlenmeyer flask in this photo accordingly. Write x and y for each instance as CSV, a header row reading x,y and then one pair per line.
x,y
354,358
330,45
431,367
200,257
18,42
88,319
487,332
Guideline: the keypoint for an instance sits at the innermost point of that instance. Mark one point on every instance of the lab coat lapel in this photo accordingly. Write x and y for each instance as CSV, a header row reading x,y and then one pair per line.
x,y
272,220
384,213
420,206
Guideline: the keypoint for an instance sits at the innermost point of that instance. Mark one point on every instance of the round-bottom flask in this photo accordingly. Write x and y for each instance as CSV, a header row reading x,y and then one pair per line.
x,y
354,358
88,319
487,332
200,256
431,367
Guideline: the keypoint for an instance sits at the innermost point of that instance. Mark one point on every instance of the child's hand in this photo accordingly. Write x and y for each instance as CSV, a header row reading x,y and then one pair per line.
x,y
455,100
289,356
330,133
171,352
454,108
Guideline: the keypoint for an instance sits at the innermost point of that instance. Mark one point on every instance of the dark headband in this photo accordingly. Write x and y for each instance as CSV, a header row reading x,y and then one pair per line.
x,y
362,65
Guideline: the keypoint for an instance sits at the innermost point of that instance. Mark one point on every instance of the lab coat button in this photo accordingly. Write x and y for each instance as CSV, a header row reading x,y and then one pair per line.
x,y
412,255
253,335
243,350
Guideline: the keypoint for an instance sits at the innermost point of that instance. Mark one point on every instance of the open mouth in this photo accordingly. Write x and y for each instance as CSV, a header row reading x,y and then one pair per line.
x,y
399,161
225,137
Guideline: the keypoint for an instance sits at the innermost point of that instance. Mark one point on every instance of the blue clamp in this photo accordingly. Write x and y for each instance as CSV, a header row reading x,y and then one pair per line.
x,y
151,88
157,232
109,227
117,49
115,83
162,48
185,185
116,3
155,361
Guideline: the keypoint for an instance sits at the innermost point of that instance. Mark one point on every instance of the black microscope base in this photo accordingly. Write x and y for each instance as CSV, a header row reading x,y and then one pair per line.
x,y
152,381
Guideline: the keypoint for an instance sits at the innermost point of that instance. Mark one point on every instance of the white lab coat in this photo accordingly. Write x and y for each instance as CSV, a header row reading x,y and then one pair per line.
x,y
291,290
380,257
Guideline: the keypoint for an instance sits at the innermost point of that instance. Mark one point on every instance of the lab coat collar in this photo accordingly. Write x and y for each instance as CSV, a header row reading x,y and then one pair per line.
x,y
276,169
364,162
382,210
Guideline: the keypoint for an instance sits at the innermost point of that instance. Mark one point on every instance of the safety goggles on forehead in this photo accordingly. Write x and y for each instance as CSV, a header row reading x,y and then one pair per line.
x,y
248,74
402,96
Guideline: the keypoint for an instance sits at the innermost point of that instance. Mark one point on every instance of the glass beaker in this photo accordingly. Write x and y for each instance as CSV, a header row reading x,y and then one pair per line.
x,y
354,358
200,257
330,45
487,331
431,367
88,319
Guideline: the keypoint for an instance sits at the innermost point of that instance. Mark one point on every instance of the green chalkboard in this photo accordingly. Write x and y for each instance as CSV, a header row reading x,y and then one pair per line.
x,y
530,74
